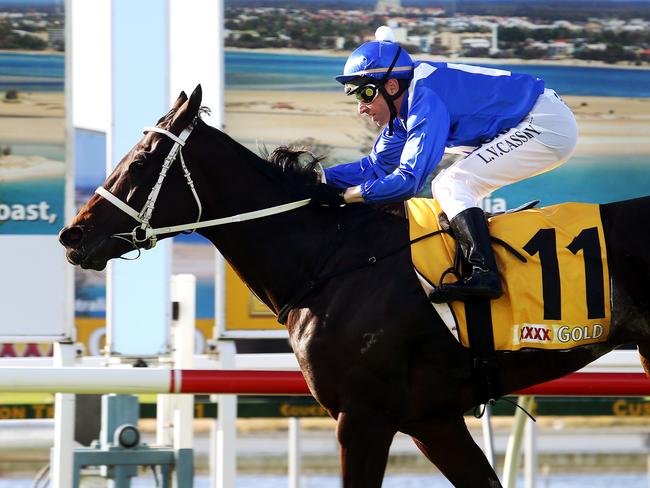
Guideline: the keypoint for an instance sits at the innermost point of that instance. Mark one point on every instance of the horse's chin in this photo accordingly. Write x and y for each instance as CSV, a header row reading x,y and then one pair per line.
x,y
97,256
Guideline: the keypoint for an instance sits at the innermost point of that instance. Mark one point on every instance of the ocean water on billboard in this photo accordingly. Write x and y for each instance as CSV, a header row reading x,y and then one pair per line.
x,y
266,71
270,71
590,179
31,72
32,206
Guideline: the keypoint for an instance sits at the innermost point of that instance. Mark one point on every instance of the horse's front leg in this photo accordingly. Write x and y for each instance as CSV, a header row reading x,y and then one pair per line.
x,y
364,442
448,444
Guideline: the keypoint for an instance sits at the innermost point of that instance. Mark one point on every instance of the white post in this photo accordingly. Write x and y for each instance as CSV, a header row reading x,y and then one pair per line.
x,y
164,422
175,413
183,291
295,460
224,467
513,452
61,459
530,461
488,439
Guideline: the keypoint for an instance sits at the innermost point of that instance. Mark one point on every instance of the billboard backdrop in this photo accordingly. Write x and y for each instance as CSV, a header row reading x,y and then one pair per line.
x,y
34,285
284,96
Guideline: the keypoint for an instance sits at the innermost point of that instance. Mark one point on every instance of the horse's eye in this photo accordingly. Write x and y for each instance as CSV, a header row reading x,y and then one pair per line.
x,y
136,166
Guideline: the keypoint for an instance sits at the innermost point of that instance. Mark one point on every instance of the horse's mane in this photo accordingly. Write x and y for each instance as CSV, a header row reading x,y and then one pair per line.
x,y
299,165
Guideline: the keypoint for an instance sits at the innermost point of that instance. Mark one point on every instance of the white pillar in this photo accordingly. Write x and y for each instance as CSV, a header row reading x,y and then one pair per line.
x,y
530,460
513,452
183,291
224,467
488,438
196,52
164,420
295,459
61,458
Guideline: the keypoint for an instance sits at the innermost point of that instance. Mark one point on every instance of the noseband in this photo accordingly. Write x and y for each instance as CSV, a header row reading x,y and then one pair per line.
x,y
145,233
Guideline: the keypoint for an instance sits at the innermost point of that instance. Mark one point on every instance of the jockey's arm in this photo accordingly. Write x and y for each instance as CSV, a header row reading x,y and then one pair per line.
x,y
428,127
382,160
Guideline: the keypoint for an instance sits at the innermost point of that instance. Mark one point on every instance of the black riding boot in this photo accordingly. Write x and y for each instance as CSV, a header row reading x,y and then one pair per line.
x,y
472,234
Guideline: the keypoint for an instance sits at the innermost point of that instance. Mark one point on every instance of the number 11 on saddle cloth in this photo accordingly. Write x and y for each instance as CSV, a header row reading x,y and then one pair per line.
x,y
558,299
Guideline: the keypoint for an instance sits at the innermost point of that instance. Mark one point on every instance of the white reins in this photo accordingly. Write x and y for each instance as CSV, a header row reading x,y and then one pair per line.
x,y
145,232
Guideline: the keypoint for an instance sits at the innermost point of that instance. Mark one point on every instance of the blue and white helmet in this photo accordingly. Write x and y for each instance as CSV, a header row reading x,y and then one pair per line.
x,y
374,59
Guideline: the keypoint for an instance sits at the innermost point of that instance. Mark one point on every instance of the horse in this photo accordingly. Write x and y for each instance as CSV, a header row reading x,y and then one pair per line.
x,y
372,349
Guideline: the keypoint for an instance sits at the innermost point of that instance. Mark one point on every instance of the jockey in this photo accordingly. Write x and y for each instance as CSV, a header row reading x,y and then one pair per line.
x,y
508,126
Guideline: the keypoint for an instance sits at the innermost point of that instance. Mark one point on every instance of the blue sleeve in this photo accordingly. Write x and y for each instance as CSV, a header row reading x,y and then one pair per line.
x,y
427,131
349,174
383,160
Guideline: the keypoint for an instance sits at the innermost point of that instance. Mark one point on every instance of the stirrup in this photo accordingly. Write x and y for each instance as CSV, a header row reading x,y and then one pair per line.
x,y
461,290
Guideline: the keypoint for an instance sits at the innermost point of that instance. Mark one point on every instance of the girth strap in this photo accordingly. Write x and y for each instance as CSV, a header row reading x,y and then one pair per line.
x,y
481,344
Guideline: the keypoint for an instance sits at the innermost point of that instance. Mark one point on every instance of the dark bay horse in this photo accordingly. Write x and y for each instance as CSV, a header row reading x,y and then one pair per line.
x,y
372,349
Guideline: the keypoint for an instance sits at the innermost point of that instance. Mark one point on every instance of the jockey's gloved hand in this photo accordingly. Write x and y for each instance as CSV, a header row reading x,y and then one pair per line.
x,y
327,195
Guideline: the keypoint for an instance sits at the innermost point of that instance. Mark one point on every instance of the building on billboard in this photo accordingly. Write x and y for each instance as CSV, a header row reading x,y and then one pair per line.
x,y
388,6
476,46
56,39
560,49
424,43
494,48
331,42
456,42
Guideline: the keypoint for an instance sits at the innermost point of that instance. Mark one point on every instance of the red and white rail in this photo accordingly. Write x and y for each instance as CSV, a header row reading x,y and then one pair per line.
x,y
248,382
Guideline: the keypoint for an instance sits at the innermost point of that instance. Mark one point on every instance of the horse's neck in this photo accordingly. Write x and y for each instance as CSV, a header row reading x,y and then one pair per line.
x,y
273,255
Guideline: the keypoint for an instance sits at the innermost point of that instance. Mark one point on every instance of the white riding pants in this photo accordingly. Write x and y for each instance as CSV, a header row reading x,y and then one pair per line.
x,y
545,139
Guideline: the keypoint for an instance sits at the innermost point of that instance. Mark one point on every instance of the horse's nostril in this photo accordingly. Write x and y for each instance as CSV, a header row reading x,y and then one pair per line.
x,y
71,236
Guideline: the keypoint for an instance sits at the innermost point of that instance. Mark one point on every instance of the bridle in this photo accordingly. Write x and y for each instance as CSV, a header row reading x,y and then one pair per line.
x,y
144,233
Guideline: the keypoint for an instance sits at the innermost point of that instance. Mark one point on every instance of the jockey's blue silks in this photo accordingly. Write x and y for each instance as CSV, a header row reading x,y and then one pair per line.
x,y
446,105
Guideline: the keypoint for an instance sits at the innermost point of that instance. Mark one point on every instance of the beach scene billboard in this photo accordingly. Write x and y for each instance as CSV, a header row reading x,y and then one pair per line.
x,y
280,89
280,66
34,288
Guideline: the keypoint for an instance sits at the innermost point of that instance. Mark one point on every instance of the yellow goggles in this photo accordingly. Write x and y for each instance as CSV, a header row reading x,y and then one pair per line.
x,y
366,93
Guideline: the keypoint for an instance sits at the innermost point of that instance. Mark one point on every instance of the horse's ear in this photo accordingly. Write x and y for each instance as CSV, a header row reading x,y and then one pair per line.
x,y
194,103
182,98
189,109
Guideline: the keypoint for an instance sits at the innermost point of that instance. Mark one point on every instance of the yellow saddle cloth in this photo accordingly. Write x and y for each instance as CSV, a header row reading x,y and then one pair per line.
x,y
558,299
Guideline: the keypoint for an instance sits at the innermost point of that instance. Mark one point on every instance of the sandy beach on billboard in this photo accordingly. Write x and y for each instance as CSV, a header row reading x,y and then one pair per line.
x,y
608,125
16,168
32,117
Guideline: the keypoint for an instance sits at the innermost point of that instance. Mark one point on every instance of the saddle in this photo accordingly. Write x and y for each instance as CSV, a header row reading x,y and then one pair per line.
x,y
553,265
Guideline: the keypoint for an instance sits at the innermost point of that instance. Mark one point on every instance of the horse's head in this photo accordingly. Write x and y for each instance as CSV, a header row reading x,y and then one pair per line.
x,y
123,212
